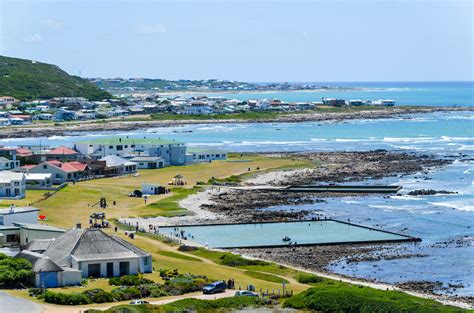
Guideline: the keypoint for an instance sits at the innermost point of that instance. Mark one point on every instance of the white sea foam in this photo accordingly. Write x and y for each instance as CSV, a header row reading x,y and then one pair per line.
x,y
462,205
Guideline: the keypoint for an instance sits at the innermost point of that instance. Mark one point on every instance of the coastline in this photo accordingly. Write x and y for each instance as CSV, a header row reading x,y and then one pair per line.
x,y
219,204
42,130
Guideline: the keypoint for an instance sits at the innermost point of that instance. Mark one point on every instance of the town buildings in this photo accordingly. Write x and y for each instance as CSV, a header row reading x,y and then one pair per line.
x,y
12,184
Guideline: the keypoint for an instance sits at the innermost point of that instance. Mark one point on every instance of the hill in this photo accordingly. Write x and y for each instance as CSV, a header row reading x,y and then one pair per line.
x,y
28,80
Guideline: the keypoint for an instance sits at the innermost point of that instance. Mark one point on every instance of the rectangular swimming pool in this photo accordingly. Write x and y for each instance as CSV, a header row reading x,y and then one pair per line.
x,y
271,234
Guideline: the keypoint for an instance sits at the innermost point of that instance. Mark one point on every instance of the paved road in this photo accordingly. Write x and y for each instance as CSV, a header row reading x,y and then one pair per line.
x,y
17,305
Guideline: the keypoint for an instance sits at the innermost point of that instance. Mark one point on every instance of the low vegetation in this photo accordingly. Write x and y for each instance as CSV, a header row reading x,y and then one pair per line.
x,y
14,271
188,305
309,278
130,287
29,80
175,255
332,296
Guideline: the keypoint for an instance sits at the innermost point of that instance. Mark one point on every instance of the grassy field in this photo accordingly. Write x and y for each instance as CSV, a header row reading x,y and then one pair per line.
x,y
76,202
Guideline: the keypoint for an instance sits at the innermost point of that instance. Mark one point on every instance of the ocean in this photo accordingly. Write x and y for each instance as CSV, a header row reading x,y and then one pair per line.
x,y
444,222
404,93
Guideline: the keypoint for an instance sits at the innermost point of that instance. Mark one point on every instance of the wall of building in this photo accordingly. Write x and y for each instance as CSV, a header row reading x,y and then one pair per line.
x,y
29,217
83,266
27,235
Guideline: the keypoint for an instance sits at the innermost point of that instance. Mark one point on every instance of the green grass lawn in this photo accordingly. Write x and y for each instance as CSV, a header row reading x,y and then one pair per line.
x,y
266,277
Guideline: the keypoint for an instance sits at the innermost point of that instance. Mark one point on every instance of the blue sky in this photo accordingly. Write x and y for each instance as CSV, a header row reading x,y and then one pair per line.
x,y
264,40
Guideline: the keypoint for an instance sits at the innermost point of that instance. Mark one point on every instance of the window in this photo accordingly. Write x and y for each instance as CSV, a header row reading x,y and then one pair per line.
x,y
59,176
16,183
111,147
132,146
145,261
12,238
94,270
45,166
126,146
124,268
120,147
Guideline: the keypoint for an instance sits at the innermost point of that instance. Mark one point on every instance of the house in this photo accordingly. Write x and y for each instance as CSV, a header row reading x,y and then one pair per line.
x,y
64,115
172,152
7,101
48,274
12,185
6,164
206,155
334,102
97,254
118,166
38,181
152,189
62,153
147,162
15,214
62,172
21,234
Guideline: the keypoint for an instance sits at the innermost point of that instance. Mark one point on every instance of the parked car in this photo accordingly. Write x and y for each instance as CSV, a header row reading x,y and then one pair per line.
x,y
215,287
245,293
136,302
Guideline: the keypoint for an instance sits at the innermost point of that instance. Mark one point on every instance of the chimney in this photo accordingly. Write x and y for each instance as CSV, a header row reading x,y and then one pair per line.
x,y
78,226
12,208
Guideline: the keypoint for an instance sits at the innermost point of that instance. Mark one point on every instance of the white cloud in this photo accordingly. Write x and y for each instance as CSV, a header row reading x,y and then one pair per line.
x,y
51,23
33,38
151,29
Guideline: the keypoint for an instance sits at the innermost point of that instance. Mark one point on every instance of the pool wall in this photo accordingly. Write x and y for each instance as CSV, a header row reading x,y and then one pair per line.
x,y
405,238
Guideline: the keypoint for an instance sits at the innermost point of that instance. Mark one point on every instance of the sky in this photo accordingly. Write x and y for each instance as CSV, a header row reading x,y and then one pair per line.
x,y
255,41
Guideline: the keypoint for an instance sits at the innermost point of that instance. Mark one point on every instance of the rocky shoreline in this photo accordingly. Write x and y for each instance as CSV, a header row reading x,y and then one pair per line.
x,y
250,204
117,125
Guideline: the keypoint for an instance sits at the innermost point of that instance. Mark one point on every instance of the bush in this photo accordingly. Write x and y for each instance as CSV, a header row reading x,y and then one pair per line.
x,y
129,280
66,299
127,293
98,295
342,297
35,292
184,284
14,271
236,260
309,279
168,274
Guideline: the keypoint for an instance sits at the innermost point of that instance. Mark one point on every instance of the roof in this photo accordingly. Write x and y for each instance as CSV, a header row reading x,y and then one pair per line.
x,y
14,210
37,176
113,160
29,167
38,245
146,159
40,262
2,159
131,141
62,151
23,151
90,244
69,166
8,176
204,150
39,227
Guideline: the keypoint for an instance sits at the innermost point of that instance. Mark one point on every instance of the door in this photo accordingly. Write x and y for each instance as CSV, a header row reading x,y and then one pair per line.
x,y
94,270
124,268
49,279
110,269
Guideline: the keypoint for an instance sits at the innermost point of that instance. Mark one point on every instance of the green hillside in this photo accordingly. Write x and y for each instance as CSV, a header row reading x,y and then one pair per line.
x,y
28,80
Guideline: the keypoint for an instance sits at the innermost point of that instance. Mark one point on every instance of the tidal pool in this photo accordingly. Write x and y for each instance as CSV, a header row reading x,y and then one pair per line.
x,y
272,234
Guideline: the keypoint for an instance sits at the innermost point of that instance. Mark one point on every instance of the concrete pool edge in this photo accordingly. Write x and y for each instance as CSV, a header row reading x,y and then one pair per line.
x,y
404,239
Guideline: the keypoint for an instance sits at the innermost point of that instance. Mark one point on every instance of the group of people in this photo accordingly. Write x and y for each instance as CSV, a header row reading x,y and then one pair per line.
x,y
231,283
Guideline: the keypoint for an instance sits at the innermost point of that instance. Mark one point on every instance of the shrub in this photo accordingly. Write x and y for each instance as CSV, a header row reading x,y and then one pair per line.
x,y
66,299
236,260
168,274
129,280
14,271
35,292
98,295
309,279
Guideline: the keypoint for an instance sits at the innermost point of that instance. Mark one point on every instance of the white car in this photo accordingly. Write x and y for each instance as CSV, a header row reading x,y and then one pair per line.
x,y
137,302
245,293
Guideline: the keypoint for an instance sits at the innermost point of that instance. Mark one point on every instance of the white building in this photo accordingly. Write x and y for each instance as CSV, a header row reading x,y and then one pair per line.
x,y
12,185
13,214
119,166
206,155
38,180
6,164
147,162
96,254
151,189
173,152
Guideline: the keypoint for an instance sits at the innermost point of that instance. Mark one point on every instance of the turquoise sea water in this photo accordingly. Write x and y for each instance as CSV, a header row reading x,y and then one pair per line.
x,y
405,93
